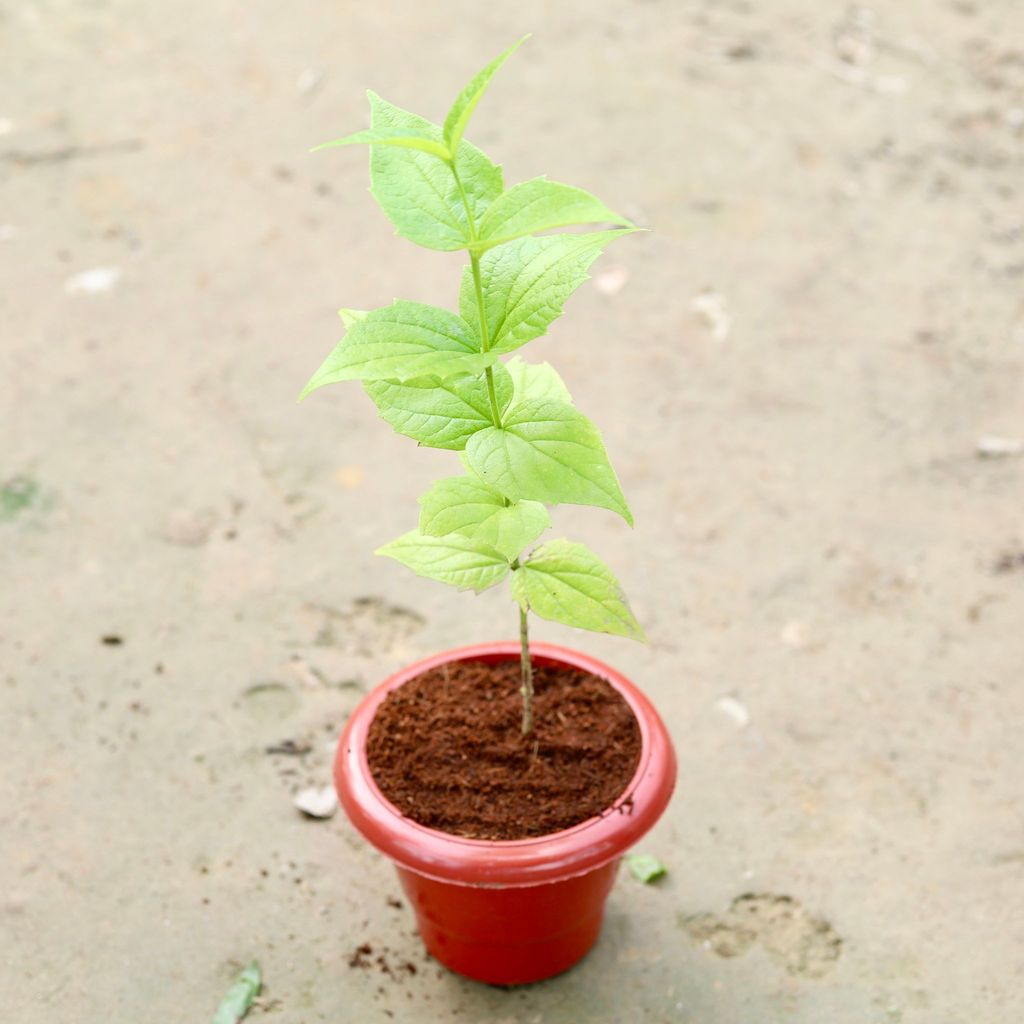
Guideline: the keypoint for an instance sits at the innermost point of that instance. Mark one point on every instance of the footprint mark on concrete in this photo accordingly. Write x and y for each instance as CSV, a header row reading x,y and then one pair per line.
x,y
806,946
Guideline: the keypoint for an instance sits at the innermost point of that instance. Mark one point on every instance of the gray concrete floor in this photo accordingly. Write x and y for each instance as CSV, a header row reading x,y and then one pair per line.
x,y
817,538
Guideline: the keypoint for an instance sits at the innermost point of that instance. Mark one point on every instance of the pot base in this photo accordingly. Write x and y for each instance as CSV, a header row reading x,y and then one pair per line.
x,y
510,935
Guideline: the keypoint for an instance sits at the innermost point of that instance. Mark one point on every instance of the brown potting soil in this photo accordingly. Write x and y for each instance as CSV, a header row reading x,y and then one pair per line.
x,y
446,749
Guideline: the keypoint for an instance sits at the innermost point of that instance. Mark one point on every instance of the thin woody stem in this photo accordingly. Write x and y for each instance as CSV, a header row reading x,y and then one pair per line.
x,y
526,689
527,669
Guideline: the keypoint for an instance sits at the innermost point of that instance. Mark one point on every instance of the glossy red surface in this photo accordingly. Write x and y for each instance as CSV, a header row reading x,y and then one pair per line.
x,y
521,910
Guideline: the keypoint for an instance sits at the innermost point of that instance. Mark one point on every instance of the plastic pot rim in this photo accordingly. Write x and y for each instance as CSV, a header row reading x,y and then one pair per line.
x,y
518,862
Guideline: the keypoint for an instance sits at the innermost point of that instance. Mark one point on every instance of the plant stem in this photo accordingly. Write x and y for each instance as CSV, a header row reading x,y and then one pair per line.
x,y
526,689
474,261
527,670
485,341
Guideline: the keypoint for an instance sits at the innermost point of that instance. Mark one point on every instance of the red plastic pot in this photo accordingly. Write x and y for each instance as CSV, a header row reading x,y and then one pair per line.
x,y
516,911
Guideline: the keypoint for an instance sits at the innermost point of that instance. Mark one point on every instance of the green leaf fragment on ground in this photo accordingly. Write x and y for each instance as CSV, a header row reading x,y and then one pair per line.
x,y
237,1003
16,495
645,868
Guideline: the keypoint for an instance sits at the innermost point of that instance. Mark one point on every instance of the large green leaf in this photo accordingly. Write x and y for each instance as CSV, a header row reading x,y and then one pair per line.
x,y
468,506
526,282
539,205
536,381
418,192
568,583
547,451
389,137
441,413
465,103
401,342
456,560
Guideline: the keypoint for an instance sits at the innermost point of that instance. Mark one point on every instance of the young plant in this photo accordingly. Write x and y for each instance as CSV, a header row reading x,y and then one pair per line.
x,y
439,377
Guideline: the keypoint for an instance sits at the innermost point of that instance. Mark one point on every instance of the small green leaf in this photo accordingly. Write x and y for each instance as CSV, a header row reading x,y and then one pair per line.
x,y
418,192
568,583
400,342
547,451
389,137
457,504
237,1003
539,205
467,506
456,560
440,413
536,381
645,868
513,528
464,105
526,283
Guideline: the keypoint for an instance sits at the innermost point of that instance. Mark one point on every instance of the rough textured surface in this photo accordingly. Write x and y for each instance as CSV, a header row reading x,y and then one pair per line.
x,y
792,372
447,749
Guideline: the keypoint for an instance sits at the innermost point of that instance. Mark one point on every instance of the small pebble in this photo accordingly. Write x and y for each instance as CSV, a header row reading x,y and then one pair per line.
x,y
317,803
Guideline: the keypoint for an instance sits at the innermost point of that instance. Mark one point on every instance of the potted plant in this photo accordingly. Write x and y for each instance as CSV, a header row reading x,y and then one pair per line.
x,y
505,780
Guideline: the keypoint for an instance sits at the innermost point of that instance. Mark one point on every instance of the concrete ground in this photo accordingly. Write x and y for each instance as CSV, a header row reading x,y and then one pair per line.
x,y
793,373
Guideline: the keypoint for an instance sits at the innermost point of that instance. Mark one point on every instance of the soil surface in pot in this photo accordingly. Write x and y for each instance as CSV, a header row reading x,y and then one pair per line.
x,y
446,749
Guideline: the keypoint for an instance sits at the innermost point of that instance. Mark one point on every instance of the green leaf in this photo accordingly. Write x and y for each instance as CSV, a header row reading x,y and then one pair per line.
x,y
389,137
467,506
400,342
536,381
456,560
526,282
441,413
547,451
539,205
568,583
350,316
645,868
418,192
237,1003
464,105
